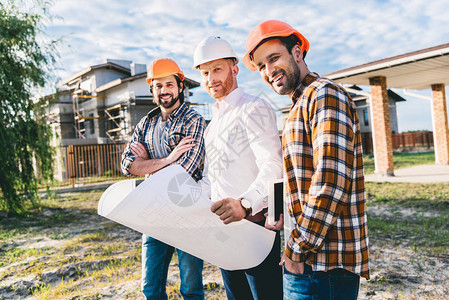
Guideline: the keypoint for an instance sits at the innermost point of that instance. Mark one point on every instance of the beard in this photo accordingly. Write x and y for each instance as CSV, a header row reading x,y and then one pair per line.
x,y
291,75
226,87
167,104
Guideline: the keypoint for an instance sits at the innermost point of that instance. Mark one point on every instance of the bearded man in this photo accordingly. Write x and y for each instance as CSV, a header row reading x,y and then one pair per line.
x,y
172,133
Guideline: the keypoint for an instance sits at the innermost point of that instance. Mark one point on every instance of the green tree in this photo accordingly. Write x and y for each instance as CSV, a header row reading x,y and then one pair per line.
x,y
26,58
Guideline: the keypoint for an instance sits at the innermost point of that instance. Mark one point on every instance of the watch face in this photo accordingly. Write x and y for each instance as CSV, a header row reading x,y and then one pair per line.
x,y
245,203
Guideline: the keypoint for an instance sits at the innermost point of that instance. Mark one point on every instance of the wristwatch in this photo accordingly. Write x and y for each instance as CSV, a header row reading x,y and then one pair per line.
x,y
246,204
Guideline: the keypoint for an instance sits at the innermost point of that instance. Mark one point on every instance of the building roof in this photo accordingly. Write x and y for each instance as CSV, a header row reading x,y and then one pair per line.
x,y
190,83
108,65
356,97
394,96
415,70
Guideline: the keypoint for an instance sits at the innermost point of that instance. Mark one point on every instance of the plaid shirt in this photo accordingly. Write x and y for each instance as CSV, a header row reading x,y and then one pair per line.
x,y
325,186
182,122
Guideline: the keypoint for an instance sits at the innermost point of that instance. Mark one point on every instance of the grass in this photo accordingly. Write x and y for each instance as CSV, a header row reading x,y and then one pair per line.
x,y
87,252
411,195
401,160
418,215
89,257
84,256
412,220
13,255
430,234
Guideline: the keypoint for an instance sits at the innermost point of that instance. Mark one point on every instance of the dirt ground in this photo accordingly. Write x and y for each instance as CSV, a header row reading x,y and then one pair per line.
x,y
397,272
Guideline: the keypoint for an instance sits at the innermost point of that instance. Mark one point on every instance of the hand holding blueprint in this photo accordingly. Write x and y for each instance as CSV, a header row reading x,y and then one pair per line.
x,y
171,207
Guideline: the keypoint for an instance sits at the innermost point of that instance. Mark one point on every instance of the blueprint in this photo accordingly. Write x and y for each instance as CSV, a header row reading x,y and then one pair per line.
x,y
171,207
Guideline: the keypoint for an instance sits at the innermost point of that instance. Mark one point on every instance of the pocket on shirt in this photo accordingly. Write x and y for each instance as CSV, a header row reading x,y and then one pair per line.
x,y
174,138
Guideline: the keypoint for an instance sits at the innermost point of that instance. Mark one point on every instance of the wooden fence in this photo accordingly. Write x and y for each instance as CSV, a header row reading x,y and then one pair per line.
x,y
91,163
83,164
407,141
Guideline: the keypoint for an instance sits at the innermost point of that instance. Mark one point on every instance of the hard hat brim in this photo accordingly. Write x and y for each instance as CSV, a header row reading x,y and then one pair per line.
x,y
247,57
210,49
197,67
180,76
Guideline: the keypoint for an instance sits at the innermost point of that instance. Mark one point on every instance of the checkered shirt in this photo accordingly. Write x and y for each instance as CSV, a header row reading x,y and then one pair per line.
x,y
182,122
325,187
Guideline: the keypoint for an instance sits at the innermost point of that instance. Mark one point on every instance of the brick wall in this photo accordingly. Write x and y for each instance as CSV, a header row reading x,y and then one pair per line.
x,y
440,120
383,148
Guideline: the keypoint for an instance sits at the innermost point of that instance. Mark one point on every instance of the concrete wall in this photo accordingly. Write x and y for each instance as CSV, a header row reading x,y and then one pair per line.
x,y
103,76
125,94
393,116
139,86
362,106
116,95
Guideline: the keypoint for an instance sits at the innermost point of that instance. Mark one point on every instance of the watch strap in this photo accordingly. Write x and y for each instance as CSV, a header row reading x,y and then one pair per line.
x,y
247,209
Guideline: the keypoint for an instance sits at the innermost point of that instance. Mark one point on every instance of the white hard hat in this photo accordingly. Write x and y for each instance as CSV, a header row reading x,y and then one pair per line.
x,y
212,48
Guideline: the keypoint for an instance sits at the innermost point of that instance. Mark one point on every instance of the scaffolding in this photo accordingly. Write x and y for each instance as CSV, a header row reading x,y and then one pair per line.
x,y
79,117
116,122
204,109
117,118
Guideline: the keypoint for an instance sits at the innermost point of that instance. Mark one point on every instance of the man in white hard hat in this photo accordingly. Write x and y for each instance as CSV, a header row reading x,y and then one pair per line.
x,y
243,153
172,133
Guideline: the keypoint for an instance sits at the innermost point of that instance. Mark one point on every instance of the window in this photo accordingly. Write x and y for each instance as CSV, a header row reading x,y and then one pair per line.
x,y
91,124
365,117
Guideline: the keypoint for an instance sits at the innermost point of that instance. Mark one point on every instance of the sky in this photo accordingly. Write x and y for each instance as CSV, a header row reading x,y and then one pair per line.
x,y
342,34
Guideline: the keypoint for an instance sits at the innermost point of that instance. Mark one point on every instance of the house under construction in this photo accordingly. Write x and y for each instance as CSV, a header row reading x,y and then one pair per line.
x,y
94,112
101,104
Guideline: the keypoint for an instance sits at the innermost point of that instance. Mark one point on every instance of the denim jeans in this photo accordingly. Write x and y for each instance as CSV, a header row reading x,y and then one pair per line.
x,y
156,257
261,282
335,284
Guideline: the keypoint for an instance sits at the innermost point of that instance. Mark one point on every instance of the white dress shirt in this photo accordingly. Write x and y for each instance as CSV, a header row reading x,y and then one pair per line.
x,y
243,149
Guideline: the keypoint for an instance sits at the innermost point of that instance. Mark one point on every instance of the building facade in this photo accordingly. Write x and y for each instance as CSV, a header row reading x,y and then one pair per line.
x,y
102,103
363,111
99,105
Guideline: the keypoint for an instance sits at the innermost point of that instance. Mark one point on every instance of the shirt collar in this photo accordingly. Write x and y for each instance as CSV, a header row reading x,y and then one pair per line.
x,y
178,111
311,77
230,100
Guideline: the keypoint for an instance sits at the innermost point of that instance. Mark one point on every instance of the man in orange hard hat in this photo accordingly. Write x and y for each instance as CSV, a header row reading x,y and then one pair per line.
x,y
327,247
172,133
243,153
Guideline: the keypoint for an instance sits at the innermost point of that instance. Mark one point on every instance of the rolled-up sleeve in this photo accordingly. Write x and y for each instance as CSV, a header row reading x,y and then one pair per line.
x,y
127,155
193,160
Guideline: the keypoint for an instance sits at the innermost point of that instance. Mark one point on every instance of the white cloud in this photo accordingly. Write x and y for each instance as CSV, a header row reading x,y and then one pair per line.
x,y
341,35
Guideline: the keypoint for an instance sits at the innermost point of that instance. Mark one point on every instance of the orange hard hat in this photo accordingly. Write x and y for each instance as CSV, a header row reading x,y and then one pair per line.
x,y
268,29
163,67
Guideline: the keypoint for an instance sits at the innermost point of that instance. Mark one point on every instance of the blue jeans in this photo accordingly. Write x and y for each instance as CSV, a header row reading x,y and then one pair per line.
x,y
156,257
335,284
261,282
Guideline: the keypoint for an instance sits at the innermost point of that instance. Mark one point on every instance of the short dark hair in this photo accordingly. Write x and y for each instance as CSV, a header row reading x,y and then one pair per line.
x,y
181,93
288,41
234,60
178,82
